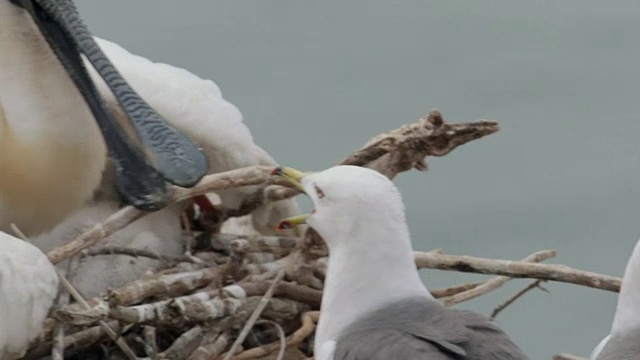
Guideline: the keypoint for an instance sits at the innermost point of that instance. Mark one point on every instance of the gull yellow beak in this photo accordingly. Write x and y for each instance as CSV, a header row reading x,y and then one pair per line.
x,y
290,223
292,175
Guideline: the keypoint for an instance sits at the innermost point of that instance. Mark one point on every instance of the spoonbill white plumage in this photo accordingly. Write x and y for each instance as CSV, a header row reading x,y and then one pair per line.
x,y
56,132
28,287
197,108
52,152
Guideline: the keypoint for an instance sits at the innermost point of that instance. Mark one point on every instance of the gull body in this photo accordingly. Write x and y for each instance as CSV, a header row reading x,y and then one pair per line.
x,y
374,304
623,342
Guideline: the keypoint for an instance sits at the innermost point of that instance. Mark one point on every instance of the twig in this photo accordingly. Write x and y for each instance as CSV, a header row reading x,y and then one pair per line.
x,y
150,342
452,290
517,269
57,351
58,347
567,357
281,337
214,350
533,285
254,316
494,283
78,341
121,250
254,175
184,345
309,321
405,148
112,334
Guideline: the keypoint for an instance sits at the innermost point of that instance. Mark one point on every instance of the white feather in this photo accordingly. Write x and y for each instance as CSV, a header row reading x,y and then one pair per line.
x,y
28,286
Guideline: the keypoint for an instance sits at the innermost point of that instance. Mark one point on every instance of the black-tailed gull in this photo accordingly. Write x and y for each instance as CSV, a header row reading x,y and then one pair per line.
x,y
375,305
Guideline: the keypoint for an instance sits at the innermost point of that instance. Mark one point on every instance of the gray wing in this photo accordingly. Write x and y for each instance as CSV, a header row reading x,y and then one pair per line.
x,y
621,347
386,344
486,340
429,331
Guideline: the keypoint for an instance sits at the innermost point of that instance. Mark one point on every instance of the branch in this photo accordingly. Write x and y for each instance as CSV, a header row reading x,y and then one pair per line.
x,y
517,269
533,285
567,357
405,148
494,283
254,175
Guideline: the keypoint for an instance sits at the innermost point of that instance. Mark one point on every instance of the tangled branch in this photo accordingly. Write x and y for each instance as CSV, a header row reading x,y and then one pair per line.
x,y
196,308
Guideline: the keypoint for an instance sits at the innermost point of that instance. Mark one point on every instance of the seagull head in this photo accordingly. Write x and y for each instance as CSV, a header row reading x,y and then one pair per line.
x,y
346,199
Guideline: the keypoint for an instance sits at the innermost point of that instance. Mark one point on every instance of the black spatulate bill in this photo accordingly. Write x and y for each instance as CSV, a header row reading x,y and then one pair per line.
x,y
175,156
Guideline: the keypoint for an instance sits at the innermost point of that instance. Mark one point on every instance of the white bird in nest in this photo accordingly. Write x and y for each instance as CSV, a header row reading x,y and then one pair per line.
x,y
28,287
623,341
374,304
62,118
66,112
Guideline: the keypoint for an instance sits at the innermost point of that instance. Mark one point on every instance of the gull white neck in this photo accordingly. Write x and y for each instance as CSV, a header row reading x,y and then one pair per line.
x,y
365,275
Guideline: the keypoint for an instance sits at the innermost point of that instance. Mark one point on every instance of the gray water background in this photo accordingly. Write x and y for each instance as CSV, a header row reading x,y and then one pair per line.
x,y
315,80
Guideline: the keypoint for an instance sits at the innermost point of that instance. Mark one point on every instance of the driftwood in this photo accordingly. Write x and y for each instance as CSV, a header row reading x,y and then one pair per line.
x,y
258,297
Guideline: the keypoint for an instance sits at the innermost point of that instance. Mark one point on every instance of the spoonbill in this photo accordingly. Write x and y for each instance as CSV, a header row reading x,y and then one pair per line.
x,y
61,113
374,304
52,151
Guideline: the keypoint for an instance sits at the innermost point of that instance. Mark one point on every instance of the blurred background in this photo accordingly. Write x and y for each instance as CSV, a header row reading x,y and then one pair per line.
x,y
316,80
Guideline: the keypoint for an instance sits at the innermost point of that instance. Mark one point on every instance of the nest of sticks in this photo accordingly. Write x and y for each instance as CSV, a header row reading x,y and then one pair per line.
x,y
234,297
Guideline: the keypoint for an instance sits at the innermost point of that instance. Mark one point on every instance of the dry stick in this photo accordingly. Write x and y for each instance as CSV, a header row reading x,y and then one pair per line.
x,y
150,341
112,334
452,290
122,250
405,148
281,337
517,269
184,345
309,321
57,351
567,357
494,283
430,136
254,316
78,341
78,298
533,285
253,175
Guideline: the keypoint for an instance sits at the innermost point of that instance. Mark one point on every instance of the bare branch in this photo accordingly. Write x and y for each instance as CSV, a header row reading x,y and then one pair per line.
x,y
517,269
567,357
533,285
405,148
254,316
494,283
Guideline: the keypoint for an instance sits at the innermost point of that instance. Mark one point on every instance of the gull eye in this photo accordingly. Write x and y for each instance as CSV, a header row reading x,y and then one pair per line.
x,y
319,192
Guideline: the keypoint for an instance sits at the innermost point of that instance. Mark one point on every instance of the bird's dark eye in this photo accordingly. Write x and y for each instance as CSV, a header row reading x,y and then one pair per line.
x,y
319,192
